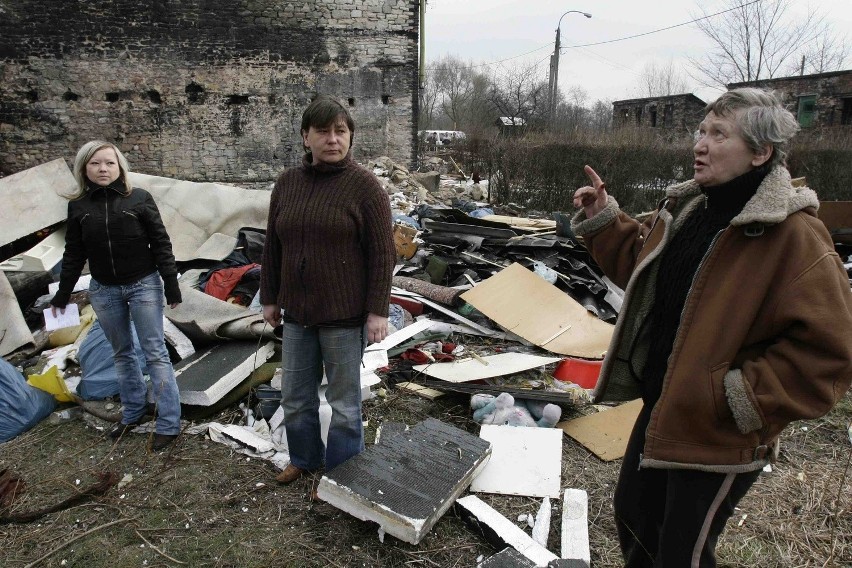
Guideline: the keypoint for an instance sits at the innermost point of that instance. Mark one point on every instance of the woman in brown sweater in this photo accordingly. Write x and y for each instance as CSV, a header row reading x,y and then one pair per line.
x,y
327,266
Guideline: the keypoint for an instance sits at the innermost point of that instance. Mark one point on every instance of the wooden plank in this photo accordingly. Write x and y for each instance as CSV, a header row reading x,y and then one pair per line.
x,y
420,390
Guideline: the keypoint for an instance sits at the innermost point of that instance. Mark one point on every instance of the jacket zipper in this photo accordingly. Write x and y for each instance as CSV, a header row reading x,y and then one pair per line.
x,y
109,242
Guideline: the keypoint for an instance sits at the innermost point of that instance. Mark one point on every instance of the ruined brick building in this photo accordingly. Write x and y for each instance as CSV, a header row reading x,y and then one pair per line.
x,y
672,113
822,100
204,90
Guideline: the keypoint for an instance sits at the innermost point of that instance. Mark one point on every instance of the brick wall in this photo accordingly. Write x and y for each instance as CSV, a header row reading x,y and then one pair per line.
x,y
204,90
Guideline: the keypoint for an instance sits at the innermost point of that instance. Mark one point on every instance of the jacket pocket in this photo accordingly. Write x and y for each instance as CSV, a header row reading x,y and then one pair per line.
x,y
720,399
131,225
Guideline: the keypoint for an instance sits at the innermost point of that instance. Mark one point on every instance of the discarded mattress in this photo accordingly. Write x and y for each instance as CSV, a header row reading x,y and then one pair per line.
x,y
21,405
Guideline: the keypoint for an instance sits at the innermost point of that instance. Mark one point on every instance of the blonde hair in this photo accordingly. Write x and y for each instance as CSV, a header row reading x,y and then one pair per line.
x,y
85,153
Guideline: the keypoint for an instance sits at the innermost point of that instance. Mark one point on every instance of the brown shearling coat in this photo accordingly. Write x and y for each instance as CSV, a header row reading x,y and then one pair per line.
x,y
765,336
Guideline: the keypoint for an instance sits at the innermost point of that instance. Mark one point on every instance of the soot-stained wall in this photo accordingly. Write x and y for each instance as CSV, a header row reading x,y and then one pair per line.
x,y
204,90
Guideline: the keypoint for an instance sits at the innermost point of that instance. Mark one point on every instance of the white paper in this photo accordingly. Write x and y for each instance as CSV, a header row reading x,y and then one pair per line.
x,y
81,284
70,318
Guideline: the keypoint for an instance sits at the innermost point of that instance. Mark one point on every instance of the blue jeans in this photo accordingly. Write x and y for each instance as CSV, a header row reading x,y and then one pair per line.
x,y
141,301
304,352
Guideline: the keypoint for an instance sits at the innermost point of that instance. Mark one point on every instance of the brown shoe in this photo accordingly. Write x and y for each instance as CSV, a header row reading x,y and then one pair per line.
x,y
290,474
162,441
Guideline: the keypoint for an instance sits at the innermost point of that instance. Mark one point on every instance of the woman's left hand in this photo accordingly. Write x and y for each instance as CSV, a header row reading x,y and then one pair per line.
x,y
377,328
174,305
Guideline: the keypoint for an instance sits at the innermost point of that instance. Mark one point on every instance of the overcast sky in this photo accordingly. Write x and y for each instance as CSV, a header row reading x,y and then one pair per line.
x,y
488,31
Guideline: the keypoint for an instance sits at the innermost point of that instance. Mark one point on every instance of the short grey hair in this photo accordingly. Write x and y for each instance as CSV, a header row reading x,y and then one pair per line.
x,y
761,117
85,153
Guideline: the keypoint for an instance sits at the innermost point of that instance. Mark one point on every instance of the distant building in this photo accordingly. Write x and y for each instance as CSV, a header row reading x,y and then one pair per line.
x,y
820,100
671,113
510,125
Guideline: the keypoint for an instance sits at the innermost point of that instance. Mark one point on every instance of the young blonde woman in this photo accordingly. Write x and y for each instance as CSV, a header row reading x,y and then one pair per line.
x,y
118,230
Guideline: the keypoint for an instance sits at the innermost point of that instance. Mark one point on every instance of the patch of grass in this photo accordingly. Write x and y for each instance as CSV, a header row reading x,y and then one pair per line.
x,y
204,505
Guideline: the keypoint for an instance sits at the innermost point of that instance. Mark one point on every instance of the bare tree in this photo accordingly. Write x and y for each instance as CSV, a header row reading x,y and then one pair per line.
x,y
480,114
454,80
828,52
601,115
519,93
661,80
755,40
428,101
571,112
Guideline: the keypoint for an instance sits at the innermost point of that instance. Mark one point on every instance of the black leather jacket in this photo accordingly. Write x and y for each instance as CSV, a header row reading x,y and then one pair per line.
x,y
122,237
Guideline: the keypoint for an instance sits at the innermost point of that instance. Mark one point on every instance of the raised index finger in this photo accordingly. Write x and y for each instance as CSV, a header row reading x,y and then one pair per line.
x,y
593,177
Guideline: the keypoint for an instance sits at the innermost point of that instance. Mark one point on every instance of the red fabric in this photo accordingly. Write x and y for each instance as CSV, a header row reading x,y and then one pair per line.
x,y
415,356
224,280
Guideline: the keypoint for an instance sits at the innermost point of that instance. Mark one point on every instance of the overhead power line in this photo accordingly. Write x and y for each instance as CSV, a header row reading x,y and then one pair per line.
x,y
549,44
661,29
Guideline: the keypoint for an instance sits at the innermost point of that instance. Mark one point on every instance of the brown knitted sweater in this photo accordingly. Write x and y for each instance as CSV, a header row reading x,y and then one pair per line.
x,y
329,252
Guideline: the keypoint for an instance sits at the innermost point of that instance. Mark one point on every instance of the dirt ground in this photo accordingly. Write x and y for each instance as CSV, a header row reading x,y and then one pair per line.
x,y
200,504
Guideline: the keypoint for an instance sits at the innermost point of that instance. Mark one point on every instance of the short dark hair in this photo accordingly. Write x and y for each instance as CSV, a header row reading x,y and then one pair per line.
x,y
324,111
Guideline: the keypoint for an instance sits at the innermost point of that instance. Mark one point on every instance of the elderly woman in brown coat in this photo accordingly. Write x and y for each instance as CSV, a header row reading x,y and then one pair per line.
x,y
737,320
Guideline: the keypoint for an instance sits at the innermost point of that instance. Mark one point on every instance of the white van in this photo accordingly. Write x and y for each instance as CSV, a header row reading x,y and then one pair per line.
x,y
435,138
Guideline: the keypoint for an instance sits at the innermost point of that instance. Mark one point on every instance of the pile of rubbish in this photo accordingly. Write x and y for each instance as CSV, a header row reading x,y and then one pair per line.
x,y
525,283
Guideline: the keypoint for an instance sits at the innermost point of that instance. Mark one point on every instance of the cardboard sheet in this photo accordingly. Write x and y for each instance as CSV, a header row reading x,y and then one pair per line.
x,y
526,304
463,370
605,433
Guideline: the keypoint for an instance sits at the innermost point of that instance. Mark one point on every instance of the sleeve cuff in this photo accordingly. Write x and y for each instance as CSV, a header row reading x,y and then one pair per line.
x,y
171,287
584,226
736,391
60,299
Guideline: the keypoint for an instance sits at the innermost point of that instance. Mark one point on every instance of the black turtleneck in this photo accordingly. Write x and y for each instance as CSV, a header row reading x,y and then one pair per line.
x,y
678,265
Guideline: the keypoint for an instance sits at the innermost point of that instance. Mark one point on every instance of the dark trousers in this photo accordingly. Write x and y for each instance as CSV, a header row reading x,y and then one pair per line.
x,y
672,517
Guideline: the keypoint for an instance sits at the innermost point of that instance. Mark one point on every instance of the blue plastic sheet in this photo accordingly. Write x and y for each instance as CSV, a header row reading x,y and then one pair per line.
x,y
99,379
21,406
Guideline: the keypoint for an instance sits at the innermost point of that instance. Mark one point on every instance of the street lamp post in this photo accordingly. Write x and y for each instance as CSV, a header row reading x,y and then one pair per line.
x,y
554,63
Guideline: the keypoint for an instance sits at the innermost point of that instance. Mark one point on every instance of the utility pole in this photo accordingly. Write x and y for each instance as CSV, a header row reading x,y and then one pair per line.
x,y
554,64
554,76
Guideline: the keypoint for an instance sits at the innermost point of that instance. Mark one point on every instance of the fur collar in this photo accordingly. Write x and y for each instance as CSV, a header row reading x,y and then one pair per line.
x,y
775,199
